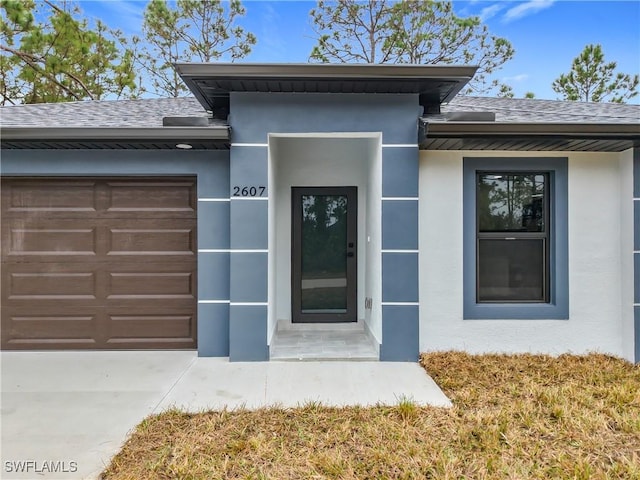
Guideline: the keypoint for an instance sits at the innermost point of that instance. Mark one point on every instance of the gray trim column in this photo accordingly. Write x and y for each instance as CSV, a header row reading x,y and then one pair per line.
x,y
249,243
213,262
213,274
636,251
400,303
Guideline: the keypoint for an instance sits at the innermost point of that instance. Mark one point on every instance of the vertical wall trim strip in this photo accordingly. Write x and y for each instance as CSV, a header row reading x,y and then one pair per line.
x,y
636,256
400,277
249,251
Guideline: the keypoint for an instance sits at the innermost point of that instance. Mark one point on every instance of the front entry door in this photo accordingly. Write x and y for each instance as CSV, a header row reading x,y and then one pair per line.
x,y
324,254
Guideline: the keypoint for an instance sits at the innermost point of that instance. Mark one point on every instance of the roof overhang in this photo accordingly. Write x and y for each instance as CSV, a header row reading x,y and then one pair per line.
x,y
584,137
199,138
212,83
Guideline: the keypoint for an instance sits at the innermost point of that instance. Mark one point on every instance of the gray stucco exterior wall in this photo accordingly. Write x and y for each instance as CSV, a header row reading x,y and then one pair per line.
x,y
400,306
211,169
249,253
256,115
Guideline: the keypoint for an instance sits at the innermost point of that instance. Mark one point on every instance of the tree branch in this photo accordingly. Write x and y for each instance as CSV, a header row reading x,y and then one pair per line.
x,y
31,61
35,66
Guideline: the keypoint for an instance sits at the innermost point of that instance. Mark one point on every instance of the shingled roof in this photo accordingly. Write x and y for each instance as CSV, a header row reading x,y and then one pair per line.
x,y
531,125
110,124
546,111
141,113
564,125
149,112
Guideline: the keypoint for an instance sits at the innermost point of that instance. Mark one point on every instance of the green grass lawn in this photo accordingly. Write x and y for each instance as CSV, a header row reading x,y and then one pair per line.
x,y
514,417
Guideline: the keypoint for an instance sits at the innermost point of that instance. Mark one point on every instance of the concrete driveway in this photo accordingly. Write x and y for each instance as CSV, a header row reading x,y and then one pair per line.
x,y
65,414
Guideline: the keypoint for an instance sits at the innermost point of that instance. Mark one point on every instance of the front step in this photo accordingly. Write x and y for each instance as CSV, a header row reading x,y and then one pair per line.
x,y
315,345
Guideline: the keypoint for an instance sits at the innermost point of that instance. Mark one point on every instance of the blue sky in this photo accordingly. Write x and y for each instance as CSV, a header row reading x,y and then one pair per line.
x,y
546,34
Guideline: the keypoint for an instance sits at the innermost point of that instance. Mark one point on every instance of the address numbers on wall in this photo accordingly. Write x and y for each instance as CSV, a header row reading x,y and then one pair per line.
x,y
248,191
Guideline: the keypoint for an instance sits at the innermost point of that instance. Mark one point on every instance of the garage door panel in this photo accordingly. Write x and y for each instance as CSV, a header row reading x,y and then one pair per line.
x,y
149,343
43,198
50,238
57,285
151,285
99,198
112,269
38,328
151,198
99,237
163,326
143,237
45,285
99,328
135,283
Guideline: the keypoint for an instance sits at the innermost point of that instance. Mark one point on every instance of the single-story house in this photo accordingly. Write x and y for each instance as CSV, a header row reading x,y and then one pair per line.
x,y
291,196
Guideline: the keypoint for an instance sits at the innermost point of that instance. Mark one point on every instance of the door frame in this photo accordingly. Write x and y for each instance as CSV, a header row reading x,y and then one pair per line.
x,y
351,314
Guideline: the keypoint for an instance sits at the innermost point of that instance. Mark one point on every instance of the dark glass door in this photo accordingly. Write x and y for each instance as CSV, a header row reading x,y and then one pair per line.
x,y
324,254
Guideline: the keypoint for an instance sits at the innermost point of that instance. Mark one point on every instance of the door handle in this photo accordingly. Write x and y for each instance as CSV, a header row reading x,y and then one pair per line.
x,y
349,254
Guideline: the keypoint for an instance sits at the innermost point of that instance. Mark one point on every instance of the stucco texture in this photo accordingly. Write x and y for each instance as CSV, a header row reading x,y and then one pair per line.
x,y
598,312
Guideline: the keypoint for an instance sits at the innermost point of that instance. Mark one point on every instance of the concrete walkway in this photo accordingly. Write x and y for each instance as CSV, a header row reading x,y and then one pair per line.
x,y
71,411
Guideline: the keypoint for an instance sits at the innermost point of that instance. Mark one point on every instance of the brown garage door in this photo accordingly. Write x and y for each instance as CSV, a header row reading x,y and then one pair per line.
x,y
98,263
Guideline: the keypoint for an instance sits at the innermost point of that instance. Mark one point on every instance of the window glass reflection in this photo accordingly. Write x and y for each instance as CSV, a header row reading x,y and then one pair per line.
x,y
511,270
324,254
511,202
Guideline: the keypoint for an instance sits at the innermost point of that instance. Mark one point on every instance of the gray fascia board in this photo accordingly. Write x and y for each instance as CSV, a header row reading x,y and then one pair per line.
x,y
431,77
320,70
474,129
116,133
456,90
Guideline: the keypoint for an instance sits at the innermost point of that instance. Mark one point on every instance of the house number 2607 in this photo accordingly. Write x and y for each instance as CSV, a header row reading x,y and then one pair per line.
x,y
248,191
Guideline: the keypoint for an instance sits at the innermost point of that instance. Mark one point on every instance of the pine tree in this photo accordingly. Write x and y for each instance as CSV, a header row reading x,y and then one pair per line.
x,y
423,32
50,53
195,30
591,79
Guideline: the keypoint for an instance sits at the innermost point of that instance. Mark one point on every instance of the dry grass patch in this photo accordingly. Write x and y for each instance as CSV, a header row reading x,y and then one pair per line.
x,y
515,417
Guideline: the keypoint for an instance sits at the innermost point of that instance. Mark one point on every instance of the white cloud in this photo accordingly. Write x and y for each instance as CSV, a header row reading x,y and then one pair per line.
x,y
124,14
527,8
516,78
268,21
489,12
272,33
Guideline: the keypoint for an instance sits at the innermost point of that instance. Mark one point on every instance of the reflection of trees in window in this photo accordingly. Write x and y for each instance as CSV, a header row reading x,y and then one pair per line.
x,y
512,237
511,202
324,234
